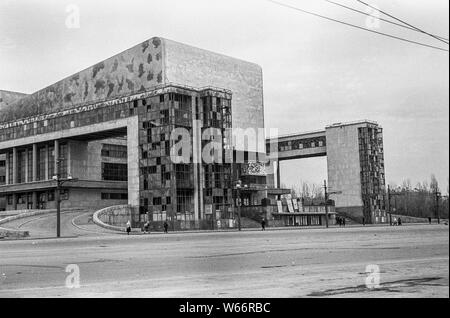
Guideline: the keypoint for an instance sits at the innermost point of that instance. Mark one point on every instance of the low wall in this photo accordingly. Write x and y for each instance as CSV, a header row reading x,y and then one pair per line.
x,y
116,217
411,219
6,232
21,214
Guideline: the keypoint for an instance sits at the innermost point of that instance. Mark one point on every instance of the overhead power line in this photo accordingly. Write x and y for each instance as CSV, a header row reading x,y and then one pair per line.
x,y
381,19
356,26
395,18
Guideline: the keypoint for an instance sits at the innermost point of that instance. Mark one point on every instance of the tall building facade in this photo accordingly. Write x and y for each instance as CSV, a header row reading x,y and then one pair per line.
x,y
355,165
192,188
356,171
113,129
109,127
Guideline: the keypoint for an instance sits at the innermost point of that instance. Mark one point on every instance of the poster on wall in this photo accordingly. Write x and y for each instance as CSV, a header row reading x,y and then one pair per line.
x,y
290,206
295,203
208,209
280,206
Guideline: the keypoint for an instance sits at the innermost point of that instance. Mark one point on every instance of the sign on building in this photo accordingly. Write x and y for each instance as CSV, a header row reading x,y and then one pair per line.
x,y
280,206
295,203
290,206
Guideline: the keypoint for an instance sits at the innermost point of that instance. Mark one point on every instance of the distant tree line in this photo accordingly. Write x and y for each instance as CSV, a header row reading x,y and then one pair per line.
x,y
307,191
421,201
424,200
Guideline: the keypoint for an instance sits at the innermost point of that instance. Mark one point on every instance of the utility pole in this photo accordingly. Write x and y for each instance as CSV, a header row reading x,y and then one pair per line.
x,y
389,204
59,183
57,198
326,202
327,195
438,194
239,209
238,201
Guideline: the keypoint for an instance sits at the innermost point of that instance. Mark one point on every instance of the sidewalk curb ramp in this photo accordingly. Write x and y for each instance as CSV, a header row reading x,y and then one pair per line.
x,y
8,232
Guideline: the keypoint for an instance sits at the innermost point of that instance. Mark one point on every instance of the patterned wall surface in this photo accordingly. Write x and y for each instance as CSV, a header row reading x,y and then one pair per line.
x,y
131,71
151,63
7,98
196,67
254,169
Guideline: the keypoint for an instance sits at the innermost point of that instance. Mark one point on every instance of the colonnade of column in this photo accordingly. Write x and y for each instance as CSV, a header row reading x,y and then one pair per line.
x,y
30,176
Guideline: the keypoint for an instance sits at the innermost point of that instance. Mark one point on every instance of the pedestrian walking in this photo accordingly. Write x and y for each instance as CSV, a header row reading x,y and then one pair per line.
x,y
166,227
399,222
343,222
146,227
263,224
128,227
429,220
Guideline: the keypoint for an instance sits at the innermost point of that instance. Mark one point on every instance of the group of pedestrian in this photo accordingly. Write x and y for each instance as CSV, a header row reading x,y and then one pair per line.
x,y
340,221
397,222
146,228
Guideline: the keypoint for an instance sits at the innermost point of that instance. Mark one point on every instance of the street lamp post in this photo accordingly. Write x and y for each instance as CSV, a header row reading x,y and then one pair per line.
x,y
238,202
327,195
326,203
438,195
59,183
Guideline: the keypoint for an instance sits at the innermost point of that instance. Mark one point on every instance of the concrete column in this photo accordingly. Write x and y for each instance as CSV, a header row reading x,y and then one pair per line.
x,y
201,181
133,161
69,157
26,166
34,163
56,157
46,176
14,203
278,175
196,143
7,181
14,165
35,200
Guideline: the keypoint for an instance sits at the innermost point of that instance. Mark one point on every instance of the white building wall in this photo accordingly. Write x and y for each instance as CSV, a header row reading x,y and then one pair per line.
x,y
344,169
187,65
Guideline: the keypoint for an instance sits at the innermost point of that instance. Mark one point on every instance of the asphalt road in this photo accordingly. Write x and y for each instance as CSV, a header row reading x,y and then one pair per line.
x,y
413,262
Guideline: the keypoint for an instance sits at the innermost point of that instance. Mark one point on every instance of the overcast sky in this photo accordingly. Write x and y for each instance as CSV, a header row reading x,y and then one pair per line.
x,y
316,72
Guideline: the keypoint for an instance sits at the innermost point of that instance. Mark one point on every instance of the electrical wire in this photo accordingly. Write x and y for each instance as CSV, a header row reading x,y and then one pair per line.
x,y
381,19
356,26
395,18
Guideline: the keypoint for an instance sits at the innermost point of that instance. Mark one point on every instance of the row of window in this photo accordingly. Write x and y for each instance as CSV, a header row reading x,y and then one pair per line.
x,y
114,171
66,122
295,145
114,151
114,196
48,196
